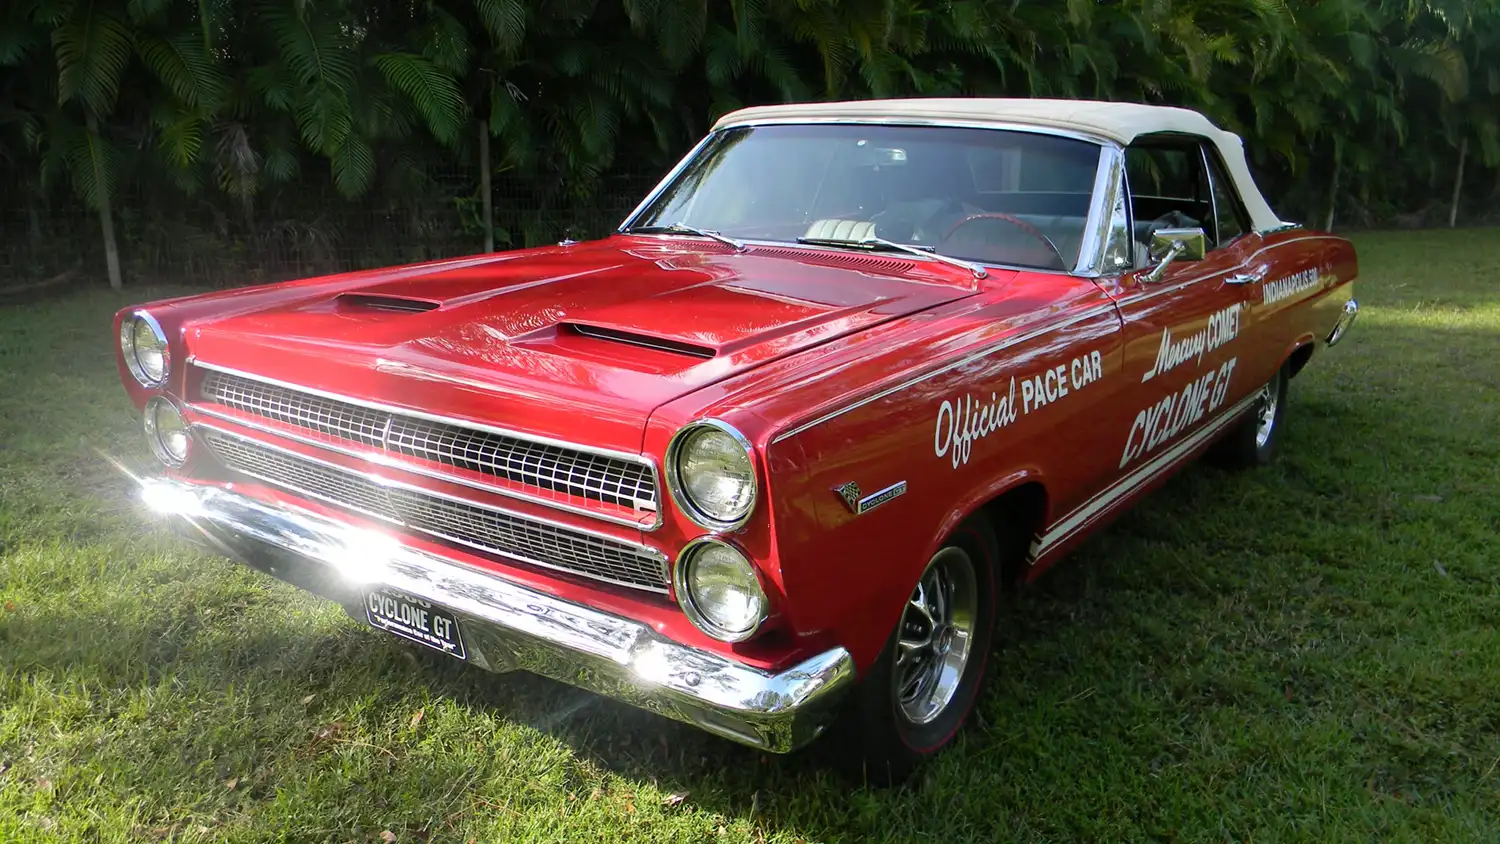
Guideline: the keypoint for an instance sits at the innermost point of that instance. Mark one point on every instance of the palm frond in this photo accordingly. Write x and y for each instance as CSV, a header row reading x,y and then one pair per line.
x,y
317,51
433,93
186,67
324,119
445,42
505,21
19,38
92,165
181,139
353,167
141,11
92,50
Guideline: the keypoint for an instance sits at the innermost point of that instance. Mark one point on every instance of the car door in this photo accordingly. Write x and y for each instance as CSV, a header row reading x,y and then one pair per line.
x,y
1181,324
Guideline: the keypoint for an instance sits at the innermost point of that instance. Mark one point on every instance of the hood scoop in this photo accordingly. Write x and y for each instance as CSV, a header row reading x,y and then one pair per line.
x,y
384,302
634,338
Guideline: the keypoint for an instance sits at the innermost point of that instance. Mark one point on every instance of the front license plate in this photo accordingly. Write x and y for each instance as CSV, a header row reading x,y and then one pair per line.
x,y
413,618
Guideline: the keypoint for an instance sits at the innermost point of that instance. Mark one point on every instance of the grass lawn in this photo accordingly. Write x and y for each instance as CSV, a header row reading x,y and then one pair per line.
x,y
1305,652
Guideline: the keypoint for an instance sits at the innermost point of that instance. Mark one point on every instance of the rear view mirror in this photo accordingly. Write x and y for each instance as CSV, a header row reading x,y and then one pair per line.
x,y
1168,245
868,156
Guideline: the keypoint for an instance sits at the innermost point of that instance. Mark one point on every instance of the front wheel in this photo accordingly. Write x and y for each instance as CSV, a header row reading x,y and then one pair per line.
x,y
923,687
1256,439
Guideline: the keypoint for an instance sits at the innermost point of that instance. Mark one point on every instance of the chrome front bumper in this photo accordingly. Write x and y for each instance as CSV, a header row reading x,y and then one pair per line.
x,y
509,627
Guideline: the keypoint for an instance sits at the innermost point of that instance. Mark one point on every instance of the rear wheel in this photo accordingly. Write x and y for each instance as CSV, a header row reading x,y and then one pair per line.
x,y
922,689
1256,439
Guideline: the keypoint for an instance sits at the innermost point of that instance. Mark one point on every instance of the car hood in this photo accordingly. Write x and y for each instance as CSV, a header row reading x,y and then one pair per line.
x,y
602,332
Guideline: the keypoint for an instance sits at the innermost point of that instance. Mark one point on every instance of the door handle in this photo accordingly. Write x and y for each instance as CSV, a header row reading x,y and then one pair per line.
x,y
1246,278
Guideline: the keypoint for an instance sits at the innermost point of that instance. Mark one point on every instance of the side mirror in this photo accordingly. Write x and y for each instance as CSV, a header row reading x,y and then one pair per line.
x,y
1168,245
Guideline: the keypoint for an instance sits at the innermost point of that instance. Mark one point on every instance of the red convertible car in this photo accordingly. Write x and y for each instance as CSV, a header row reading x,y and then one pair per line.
x,y
761,459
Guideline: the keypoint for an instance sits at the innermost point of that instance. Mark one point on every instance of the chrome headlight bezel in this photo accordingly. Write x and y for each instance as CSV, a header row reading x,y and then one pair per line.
x,y
154,432
131,352
681,585
677,487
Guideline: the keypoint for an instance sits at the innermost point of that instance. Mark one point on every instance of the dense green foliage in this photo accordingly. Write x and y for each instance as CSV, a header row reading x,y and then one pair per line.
x,y
1374,102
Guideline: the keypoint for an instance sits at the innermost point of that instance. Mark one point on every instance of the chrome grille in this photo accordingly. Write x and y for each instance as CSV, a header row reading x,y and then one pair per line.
x,y
547,466
489,530
305,410
558,469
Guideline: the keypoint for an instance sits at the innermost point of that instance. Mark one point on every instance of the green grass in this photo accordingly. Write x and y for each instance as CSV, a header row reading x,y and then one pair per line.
x,y
1305,652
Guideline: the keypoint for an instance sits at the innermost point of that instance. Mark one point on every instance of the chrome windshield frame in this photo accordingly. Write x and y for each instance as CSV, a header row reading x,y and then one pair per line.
x,y
1108,180
1109,186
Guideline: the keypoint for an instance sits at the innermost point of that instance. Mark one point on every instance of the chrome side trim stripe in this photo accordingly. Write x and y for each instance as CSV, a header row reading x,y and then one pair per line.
x,y
970,358
1070,524
1151,292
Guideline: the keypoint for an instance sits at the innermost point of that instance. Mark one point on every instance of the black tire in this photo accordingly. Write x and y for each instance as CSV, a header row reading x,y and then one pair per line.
x,y
887,732
1255,440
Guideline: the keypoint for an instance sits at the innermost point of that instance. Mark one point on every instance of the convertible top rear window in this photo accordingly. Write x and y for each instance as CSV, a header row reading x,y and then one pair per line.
x,y
988,195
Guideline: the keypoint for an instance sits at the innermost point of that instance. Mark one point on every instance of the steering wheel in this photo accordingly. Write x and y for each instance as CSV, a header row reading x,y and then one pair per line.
x,y
1015,221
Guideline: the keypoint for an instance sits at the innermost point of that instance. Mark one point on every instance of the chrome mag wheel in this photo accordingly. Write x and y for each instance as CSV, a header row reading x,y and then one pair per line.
x,y
1265,422
936,636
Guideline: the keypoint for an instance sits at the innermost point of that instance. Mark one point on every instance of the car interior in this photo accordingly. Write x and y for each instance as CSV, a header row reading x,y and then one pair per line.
x,y
1178,182
967,204
1010,198
967,201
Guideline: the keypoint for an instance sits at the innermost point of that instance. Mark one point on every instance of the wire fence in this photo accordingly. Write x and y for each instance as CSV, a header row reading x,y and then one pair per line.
x,y
209,239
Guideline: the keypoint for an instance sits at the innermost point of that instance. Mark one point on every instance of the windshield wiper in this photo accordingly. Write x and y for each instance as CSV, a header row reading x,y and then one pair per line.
x,y
872,243
683,228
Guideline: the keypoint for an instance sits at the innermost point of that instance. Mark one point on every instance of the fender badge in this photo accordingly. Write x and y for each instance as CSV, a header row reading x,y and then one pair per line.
x,y
849,492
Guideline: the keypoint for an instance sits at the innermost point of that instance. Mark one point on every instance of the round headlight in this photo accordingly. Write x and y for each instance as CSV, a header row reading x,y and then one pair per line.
x,y
144,346
711,475
166,432
719,590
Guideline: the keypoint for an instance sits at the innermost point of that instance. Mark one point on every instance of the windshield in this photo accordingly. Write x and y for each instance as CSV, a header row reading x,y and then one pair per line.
x,y
986,195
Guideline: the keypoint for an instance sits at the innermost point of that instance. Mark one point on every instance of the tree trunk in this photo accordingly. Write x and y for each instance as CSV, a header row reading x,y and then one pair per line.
x,y
35,219
484,186
1333,193
107,221
1458,183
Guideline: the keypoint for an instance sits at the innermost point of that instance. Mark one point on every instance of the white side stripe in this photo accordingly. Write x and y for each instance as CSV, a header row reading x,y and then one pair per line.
x,y
1095,506
1046,328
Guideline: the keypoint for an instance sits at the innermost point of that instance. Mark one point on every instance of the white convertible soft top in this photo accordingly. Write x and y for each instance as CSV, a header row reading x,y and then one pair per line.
x,y
1119,122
